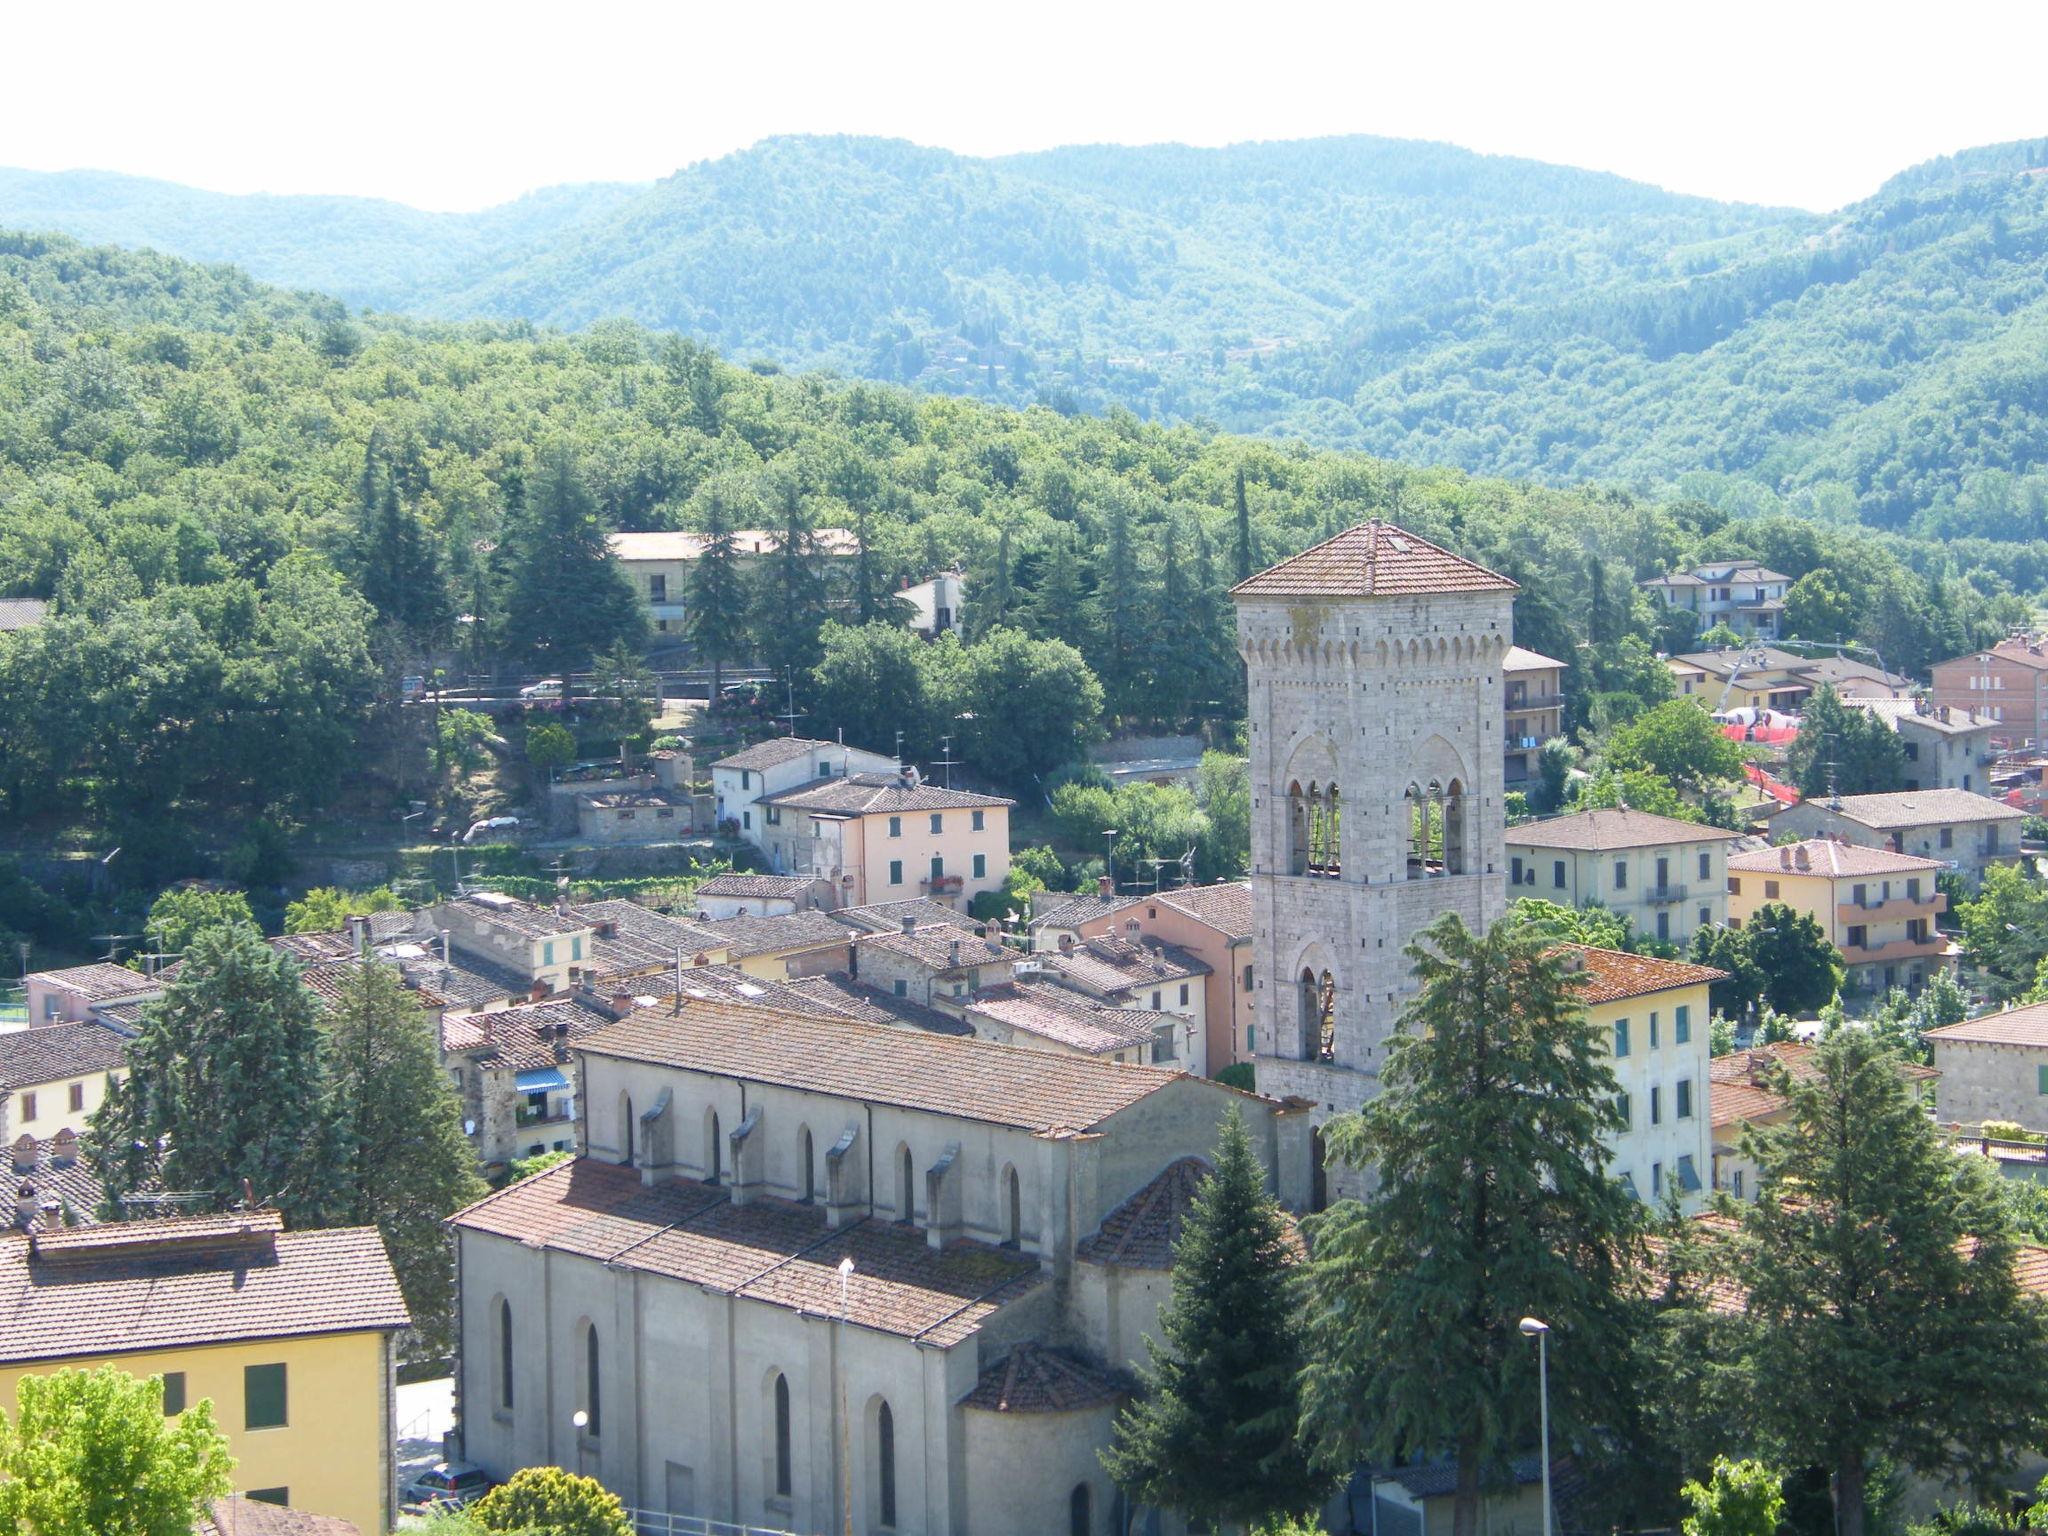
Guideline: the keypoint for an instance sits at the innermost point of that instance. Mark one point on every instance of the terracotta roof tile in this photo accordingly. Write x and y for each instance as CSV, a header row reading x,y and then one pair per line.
x,y
2014,1026
1226,907
22,612
1374,559
770,1250
50,1052
1920,808
857,1000
132,1286
522,1038
971,1079
887,916
1736,1082
876,794
1110,965
1035,1379
761,887
1612,975
239,1516
1608,830
62,1188
763,755
100,982
740,937
1521,659
1066,1018
941,947
1825,856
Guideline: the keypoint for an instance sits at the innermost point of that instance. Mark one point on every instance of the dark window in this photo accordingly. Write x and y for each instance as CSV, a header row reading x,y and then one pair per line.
x,y
28,1106
1706,866
592,1397
938,822
810,1169
174,1391
981,866
885,1452
1247,978
895,871
938,866
1685,1098
263,1397
278,1496
980,821
1557,873
1657,1112
1183,994
782,1478
1621,874
77,1097
1681,1026
902,987
895,826
504,1354
1080,1518
1948,837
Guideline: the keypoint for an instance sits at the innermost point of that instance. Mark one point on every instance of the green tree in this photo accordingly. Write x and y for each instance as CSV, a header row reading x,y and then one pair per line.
x,y
1034,705
1637,788
1172,645
563,596
1244,550
1215,1431
1739,1498
92,1453
1880,1263
2005,929
1591,924
180,915
1555,761
325,908
1843,750
1223,794
1816,608
226,1083
1489,1143
1789,952
717,612
459,741
399,568
1119,611
869,683
1680,743
550,745
406,1165
788,600
1060,604
623,696
551,1500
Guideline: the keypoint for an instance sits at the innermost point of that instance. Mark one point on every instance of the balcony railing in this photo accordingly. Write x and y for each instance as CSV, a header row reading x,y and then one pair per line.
x,y
1896,949
1530,701
527,1115
1932,904
1665,892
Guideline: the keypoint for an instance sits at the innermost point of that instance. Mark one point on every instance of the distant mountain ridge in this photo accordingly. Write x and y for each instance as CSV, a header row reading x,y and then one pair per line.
x,y
1413,299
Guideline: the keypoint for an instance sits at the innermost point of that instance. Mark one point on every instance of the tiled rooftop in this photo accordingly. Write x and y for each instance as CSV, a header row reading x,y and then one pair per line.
x,y
1051,909
1920,808
970,1079
517,916
1374,559
740,937
522,1038
2015,1026
52,1052
1738,1088
1141,1232
1035,1379
774,1251
942,947
857,1000
236,1515
760,887
1067,1018
65,1192
1226,907
1941,719
1825,856
1521,659
1606,831
99,982
877,794
1109,965
134,1286
1612,975
887,916
22,612
764,755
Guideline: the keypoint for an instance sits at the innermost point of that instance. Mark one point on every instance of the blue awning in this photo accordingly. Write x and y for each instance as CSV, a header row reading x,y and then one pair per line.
x,y
540,1079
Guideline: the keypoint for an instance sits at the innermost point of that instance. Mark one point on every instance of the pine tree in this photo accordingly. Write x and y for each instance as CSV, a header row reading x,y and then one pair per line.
x,y
1219,675
1493,1202
1215,1435
991,605
1247,556
1059,609
717,619
1888,1323
1172,647
565,598
226,1083
405,1163
1119,613
1846,751
789,590
400,570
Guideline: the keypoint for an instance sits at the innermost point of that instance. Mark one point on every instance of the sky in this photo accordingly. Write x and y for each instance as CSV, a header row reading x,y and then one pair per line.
x,y
456,105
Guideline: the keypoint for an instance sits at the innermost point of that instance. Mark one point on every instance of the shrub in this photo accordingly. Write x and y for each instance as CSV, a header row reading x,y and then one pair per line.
x,y
1241,1075
552,1500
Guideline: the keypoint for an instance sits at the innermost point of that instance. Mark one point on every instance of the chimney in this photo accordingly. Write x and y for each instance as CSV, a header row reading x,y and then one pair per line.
x,y
1105,887
65,1150
359,935
25,1206
1785,857
1066,942
25,1153
909,923
953,954
1131,929
1801,859
537,991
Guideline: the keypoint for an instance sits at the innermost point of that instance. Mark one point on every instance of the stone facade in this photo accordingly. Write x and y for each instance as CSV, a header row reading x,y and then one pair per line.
x,y
1984,1080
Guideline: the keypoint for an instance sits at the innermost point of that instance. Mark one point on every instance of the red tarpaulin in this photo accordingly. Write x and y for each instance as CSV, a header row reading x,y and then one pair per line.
x,y
1770,786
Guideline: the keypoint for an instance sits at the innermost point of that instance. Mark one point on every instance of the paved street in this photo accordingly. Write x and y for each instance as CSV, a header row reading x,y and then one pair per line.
x,y
426,1411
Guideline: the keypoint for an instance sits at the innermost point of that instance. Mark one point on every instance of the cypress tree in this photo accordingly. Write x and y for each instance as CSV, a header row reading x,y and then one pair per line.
x,y
1215,1433
1887,1320
565,598
1843,750
789,591
1246,550
1493,1202
1118,612
1059,609
226,1083
717,620
1173,635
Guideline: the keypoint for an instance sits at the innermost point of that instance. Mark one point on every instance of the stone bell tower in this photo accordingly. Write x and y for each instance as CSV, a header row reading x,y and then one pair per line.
x,y
1373,666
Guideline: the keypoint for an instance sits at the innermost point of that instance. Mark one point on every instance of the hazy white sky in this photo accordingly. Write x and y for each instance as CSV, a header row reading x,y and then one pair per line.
x,y
459,105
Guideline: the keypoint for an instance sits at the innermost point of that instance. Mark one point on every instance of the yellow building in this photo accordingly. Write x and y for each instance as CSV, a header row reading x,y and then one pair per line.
x,y
289,1334
1762,677
888,837
52,1078
1877,907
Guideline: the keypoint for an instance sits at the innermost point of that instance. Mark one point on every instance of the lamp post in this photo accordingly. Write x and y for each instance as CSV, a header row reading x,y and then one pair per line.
x,y
1109,862
1537,1329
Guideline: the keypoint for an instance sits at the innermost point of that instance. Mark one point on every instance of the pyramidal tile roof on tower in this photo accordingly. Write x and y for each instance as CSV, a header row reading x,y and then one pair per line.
x,y
1375,559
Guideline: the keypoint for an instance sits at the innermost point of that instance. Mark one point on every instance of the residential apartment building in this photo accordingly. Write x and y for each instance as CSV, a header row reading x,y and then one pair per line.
x,y
741,781
532,946
1533,709
1944,748
658,564
1993,1068
2007,684
1754,677
288,1334
1742,1094
1747,597
1668,877
880,837
78,992
52,1079
1652,1014
514,1072
816,1274
1965,831
1877,907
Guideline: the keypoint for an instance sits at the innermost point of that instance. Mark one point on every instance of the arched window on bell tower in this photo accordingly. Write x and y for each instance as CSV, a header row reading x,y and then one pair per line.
x,y
1454,828
1325,832
1297,829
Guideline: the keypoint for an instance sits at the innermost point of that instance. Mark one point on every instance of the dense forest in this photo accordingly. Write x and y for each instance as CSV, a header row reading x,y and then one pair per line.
x,y
1411,300
253,511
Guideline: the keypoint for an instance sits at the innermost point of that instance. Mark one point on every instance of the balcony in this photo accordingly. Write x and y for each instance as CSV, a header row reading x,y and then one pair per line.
x,y
1663,893
1898,909
1534,701
527,1115
1933,947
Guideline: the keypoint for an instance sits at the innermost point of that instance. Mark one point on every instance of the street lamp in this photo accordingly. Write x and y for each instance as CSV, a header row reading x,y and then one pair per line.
x,y
1109,848
1535,1328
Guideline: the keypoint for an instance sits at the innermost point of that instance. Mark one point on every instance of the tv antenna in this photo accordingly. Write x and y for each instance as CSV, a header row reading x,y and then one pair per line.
x,y
946,760
791,715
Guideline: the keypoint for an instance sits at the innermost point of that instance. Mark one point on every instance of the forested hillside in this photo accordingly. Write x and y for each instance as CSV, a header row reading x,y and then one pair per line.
x,y
1413,300
253,511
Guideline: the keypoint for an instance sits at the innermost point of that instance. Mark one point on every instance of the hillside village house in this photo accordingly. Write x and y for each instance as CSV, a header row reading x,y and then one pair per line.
x,y
77,992
513,1071
763,895
1966,832
1033,1014
1877,907
1993,1068
937,604
658,564
1741,1095
1653,1015
791,1237
1142,975
290,1335
2007,684
1532,709
52,1079
938,966
1747,597
1762,677
1944,748
1668,877
538,946
741,781
883,836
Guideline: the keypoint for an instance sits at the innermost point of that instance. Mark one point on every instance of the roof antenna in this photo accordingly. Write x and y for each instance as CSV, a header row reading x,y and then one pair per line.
x,y
947,760
678,1005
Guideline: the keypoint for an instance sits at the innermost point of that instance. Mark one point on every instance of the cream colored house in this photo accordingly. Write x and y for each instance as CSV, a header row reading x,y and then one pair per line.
x,y
740,782
884,837
658,564
1877,907
1966,832
52,1079
1533,709
1669,877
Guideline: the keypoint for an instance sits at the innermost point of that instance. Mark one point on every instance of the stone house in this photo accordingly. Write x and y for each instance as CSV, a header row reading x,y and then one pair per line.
x,y
1740,1095
1944,748
514,1071
1993,1068
1877,907
1040,1015
814,1274
1142,975
1964,831
547,947
938,966
740,781
1532,710
76,992
1669,877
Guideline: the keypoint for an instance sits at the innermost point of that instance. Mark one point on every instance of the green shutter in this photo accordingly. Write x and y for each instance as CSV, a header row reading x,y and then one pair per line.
x,y
263,1397
2041,1079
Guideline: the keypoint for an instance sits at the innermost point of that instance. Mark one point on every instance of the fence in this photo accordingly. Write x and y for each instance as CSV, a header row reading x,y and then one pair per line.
x,y
654,1522
13,1006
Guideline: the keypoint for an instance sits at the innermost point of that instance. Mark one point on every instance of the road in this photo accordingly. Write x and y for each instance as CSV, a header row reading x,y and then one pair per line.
x,y
426,1412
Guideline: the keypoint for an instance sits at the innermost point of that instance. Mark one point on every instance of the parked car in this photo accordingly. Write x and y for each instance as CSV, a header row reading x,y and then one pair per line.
x,y
742,696
546,688
448,1483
